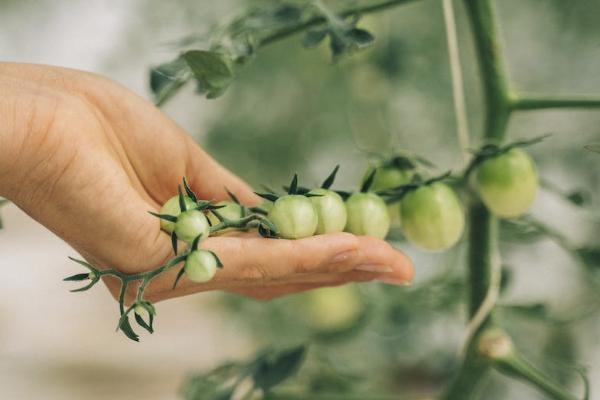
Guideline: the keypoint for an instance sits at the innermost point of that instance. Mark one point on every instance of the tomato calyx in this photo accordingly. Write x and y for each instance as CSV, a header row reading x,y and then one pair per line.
x,y
396,194
491,150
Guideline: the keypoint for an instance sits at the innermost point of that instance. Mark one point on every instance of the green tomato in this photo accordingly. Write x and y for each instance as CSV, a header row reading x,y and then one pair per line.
x,y
294,216
200,266
331,211
190,224
171,207
388,177
232,211
333,309
507,183
432,217
367,215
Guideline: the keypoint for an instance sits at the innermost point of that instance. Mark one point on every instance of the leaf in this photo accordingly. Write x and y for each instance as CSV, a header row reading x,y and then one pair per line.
x,y
360,37
232,196
274,369
126,328
578,197
178,277
182,205
195,242
189,191
166,79
219,263
593,147
174,242
590,256
287,13
533,310
142,323
166,217
368,182
211,71
268,196
331,178
84,263
294,185
77,277
314,38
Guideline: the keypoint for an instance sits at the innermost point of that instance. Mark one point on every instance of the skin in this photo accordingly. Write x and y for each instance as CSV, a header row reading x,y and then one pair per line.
x,y
87,158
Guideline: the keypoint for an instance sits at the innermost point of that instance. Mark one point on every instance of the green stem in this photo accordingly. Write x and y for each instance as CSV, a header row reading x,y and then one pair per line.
x,y
527,103
496,89
319,20
518,367
483,227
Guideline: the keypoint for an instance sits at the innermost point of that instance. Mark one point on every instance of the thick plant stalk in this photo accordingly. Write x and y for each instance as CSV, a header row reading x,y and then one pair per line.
x,y
483,227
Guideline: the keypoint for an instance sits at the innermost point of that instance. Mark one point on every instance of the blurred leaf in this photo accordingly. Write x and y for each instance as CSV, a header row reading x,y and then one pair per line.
x,y
590,256
211,71
273,369
287,13
533,310
166,79
578,198
314,38
593,147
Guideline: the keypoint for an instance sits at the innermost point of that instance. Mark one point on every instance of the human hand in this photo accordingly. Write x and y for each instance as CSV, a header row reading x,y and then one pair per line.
x,y
87,158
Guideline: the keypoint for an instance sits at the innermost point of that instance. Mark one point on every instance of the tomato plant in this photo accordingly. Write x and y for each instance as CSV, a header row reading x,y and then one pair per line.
x,y
171,207
200,266
504,176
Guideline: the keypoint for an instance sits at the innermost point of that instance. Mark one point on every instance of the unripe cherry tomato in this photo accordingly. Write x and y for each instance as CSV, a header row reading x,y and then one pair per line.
x,y
508,183
200,266
388,177
331,211
333,309
294,216
232,211
171,207
367,215
432,216
190,224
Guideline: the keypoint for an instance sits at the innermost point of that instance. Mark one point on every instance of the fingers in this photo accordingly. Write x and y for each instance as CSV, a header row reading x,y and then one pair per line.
x,y
320,260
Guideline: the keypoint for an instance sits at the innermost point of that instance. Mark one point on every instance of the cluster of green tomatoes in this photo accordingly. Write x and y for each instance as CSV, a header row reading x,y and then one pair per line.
x,y
429,211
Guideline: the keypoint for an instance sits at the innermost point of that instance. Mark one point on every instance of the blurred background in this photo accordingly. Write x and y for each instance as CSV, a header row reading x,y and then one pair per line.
x,y
293,110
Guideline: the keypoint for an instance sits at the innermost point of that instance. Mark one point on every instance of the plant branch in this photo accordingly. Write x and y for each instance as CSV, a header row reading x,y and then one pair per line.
x,y
516,366
528,103
318,20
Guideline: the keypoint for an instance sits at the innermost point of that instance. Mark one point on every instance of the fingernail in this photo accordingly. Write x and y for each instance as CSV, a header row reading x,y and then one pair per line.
x,y
343,256
394,281
373,268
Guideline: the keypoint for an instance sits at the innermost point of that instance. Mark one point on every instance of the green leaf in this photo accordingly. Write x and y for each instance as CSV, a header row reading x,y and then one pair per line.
x,y
274,369
166,217
174,242
211,71
590,256
360,37
368,182
232,196
294,185
314,38
593,147
268,196
189,191
219,263
196,242
126,328
178,277
287,13
331,178
77,277
142,323
166,79
578,197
